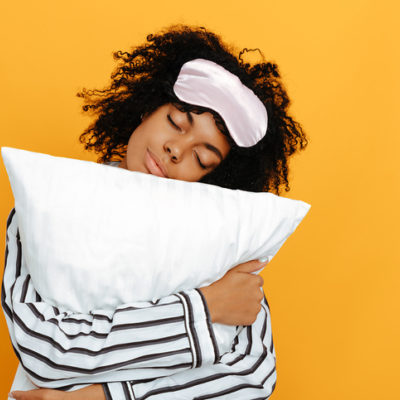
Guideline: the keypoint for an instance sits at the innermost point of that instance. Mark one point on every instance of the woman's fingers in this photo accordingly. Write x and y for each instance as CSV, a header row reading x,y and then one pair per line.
x,y
250,266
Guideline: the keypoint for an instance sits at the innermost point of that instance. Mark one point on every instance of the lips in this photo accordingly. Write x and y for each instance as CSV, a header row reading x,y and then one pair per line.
x,y
154,165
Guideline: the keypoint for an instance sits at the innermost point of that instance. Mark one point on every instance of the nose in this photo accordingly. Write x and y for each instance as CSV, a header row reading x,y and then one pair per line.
x,y
175,150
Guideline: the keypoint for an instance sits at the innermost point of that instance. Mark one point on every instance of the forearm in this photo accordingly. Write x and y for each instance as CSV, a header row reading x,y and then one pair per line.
x,y
247,372
92,392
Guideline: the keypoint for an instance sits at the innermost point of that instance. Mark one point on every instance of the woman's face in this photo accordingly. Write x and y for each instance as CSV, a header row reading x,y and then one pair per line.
x,y
176,145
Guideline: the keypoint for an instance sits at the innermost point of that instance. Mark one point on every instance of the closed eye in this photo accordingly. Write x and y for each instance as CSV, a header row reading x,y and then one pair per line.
x,y
201,165
173,123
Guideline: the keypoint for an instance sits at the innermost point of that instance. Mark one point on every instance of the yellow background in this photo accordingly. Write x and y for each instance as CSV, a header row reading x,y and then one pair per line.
x,y
333,287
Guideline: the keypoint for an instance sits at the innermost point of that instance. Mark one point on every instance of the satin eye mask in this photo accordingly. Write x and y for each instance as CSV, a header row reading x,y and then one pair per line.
x,y
204,83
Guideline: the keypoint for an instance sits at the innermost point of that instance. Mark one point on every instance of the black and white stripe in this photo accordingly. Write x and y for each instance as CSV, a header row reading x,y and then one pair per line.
x,y
168,346
247,372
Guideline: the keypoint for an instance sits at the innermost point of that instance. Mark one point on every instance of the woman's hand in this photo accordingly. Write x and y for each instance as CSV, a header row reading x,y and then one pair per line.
x,y
92,392
235,299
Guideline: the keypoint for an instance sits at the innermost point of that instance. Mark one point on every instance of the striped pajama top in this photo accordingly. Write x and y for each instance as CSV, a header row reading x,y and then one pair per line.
x,y
157,350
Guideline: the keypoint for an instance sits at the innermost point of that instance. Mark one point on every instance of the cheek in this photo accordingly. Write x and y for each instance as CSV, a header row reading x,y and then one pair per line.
x,y
136,140
148,133
133,149
188,172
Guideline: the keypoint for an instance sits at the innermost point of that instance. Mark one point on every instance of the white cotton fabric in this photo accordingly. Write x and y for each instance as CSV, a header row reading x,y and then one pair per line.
x,y
95,236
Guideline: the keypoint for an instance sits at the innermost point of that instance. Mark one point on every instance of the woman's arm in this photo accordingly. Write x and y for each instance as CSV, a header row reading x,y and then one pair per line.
x,y
247,372
58,348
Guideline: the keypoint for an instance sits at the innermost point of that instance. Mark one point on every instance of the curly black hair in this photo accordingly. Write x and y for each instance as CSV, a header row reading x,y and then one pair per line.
x,y
143,81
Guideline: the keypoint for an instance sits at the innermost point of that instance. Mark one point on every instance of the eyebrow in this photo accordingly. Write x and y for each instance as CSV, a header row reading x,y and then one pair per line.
x,y
215,150
189,117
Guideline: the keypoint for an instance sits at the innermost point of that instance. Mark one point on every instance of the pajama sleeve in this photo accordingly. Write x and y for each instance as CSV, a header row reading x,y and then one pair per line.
x,y
142,340
246,372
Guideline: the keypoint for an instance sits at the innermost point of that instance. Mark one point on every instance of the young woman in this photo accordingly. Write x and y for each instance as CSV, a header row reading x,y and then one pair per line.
x,y
180,106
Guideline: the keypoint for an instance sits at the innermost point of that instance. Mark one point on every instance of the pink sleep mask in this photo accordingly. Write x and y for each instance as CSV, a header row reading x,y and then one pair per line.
x,y
204,83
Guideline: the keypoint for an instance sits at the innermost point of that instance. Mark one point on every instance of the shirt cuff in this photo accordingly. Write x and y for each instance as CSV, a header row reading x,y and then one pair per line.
x,y
118,391
199,328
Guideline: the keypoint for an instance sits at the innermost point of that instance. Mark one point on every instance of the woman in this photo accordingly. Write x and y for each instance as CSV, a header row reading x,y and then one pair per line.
x,y
176,109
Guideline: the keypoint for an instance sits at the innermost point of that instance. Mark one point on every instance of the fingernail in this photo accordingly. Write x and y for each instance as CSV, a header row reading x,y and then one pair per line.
x,y
11,395
263,260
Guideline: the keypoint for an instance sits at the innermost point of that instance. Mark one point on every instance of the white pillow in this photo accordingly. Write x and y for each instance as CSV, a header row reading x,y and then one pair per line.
x,y
95,236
